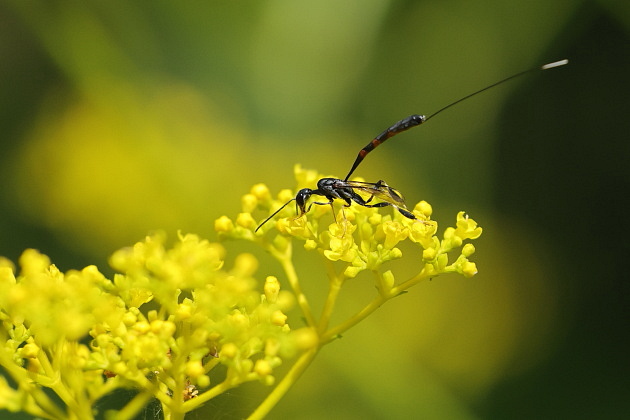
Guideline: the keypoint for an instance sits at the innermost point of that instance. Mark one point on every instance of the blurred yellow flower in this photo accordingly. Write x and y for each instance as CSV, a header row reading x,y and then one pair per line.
x,y
205,316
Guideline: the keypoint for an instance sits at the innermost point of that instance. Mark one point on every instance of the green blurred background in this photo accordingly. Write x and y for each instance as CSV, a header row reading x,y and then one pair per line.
x,y
121,117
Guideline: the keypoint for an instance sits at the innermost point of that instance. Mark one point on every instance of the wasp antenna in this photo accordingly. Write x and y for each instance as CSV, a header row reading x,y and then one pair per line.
x,y
274,213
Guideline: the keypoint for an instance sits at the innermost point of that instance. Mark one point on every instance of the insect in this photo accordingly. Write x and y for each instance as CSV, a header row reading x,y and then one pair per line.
x,y
333,188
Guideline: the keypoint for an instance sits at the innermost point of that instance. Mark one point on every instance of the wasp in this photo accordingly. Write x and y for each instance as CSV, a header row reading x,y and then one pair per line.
x,y
333,188
342,189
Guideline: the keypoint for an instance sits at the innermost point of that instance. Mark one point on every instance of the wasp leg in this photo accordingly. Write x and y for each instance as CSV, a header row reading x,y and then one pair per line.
x,y
318,203
402,211
332,208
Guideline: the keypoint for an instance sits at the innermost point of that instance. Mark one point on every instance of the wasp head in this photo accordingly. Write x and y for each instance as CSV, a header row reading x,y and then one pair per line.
x,y
301,198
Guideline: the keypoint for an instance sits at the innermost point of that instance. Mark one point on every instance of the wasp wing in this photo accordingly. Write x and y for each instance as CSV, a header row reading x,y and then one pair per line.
x,y
379,190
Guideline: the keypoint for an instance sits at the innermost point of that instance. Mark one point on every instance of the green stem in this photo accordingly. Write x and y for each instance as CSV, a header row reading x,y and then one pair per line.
x,y
109,386
49,408
335,283
45,407
285,384
407,284
206,396
292,277
134,406
334,332
75,407
173,415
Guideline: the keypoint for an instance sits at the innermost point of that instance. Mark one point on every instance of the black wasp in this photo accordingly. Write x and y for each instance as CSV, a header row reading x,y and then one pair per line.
x,y
333,188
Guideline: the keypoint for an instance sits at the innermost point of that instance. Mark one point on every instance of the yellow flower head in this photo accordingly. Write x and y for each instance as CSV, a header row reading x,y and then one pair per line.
x,y
200,311
360,236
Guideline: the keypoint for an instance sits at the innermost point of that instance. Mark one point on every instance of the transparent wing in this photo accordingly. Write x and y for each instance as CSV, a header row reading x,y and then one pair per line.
x,y
379,190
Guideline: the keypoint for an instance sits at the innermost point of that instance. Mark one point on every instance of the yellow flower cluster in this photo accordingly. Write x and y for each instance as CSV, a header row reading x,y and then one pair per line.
x,y
160,325
171,315
364,238
354,239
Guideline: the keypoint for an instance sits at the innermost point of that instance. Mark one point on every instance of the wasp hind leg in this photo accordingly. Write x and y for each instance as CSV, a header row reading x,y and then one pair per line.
x,y
404,212
410,215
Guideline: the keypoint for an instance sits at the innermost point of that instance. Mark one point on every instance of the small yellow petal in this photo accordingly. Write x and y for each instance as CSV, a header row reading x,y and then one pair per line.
x,y
261,192
223,224
246,220
272,289
249,202
194,369
429,254
262,367
424,208
468,250
469,269
278,318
